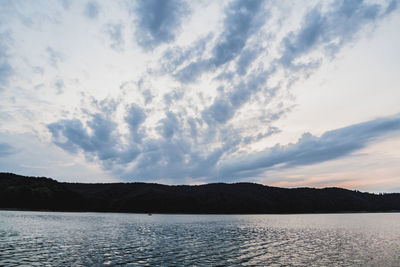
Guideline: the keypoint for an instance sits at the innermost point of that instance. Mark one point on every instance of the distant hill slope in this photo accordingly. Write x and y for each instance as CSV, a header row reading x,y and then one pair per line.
x,y
20,192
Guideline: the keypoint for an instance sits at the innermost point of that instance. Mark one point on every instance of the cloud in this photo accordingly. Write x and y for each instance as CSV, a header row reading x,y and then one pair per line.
x,y
326,30
59,85
98,139
72,136
168,126
323,30
66,4
193,128
312,150
224,107
246,58
177,159
114,32
172,154
148,97
173,96
220,111
6,70
6,150
158,21
242,19
38,70
175,56
244,65
193,70
329,30
136,116
34,157
176,154
270,131
54,56
92,9
393,5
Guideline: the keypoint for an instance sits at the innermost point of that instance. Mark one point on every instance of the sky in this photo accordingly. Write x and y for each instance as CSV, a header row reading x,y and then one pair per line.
x,y
282,93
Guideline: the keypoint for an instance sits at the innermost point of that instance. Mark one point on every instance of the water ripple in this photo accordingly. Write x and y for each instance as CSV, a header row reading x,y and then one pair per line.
x,y
98,239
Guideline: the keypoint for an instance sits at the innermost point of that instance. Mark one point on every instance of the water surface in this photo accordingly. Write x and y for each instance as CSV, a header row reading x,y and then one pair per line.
x,y
87,239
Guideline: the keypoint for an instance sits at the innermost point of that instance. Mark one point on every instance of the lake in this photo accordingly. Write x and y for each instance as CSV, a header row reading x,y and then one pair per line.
x,y
96,239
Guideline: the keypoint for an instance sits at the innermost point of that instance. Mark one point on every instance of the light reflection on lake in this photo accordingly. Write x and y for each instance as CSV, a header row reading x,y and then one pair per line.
x,y
76,239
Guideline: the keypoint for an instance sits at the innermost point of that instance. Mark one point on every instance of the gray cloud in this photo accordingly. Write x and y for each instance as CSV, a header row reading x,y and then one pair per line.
x,y
176,158
193,128
148,97
173,155
114,32
54,56
92,9
69,130
72,136
66,4
270,131
245,60
242,19
180,146
312,150
38,70
168,126
59,85
136,116
158,21
393,5
173,96
225,106
330,30
176,56
6,69
178,155
6,150
193,70
327,30
220,111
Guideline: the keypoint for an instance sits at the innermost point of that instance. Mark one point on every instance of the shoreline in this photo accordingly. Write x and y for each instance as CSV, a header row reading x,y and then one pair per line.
x,y
158,213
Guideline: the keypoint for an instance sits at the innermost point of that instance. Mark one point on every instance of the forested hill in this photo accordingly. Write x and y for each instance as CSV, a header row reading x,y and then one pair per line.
x,y
31,193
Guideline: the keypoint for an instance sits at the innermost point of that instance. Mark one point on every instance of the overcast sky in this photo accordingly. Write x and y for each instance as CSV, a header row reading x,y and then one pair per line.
x,y
283,93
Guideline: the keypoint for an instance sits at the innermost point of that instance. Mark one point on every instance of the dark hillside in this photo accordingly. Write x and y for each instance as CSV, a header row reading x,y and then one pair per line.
x,y
20,192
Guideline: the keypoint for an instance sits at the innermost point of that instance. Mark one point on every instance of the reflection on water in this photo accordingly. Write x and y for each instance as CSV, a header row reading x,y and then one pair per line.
x,y
74,239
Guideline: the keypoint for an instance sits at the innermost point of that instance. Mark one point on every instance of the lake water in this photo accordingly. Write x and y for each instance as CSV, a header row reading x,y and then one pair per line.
x,y
96,239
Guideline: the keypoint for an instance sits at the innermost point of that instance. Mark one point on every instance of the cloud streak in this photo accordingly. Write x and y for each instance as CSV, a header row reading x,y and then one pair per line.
x,y
313,150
